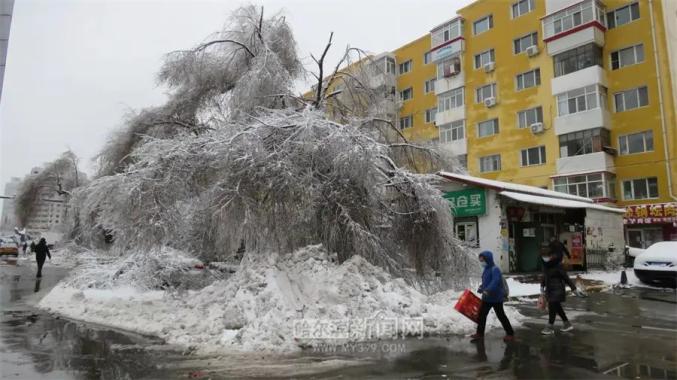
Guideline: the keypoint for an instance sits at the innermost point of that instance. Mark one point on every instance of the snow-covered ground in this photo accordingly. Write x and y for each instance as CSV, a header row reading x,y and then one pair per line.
x,y
272,303
614,278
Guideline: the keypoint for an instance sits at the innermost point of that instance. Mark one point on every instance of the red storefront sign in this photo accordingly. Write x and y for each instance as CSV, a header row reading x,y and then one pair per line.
x,y
650,214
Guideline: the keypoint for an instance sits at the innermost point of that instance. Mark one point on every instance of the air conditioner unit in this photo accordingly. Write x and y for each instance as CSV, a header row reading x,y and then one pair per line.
x,y
490,102
489,67
532,50
537,128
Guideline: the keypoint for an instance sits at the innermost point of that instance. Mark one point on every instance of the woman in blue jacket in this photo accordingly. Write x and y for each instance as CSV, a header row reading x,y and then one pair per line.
x,y
493,296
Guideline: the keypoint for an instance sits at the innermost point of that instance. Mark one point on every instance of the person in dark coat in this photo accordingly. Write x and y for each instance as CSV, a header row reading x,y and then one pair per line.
x,y
493,296
558,249
553,286
41,253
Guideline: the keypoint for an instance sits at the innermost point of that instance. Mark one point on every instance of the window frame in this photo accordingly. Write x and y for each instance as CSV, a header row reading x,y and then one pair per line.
x,y
600,94
587,141
495,128
536,72
406,64
606,183
454,131
409,117
455,94
539,113
530,4
489,17
492,57
429,86
611,15
626,144
426,58
534,42
542,159
430,119
494,92
580,58
634,197
624,93
411,92
495,168
634,54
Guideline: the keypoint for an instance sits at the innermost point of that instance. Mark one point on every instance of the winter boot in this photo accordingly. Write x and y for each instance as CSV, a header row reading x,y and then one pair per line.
x,y
476,337
548,330
567,326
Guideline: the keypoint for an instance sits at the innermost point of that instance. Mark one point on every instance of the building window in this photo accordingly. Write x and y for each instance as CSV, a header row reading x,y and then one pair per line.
x,y
581,99
622,15
642,188
636,143
448,68
521,44
484,92
626,57
529,79
533,156
487,128
445,33
577,59
571,17
390,65
426,58
483,24
527,117
584,142
429,85
593,185
430,115
490,163
522,7
405,67
407,94
450,100
483,58
452,132
631,99
406,122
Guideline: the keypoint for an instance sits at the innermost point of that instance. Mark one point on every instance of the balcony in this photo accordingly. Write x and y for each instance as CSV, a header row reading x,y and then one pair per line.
x,y
586,163
446,117
593,75
456,147
580,121
447,83
574,26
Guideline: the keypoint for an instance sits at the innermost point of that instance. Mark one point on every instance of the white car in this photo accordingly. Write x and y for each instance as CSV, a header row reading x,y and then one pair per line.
x,y
658,264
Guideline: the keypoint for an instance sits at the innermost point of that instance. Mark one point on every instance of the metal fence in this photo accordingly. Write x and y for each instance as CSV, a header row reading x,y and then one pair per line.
x,y
595,258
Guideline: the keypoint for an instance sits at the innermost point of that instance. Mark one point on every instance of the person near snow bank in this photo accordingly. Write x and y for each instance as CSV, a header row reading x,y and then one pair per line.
x,y
553,287
41,253
493,296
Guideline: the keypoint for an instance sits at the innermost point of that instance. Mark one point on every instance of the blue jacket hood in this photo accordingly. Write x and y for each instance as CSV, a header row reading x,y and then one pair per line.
x,y
488,258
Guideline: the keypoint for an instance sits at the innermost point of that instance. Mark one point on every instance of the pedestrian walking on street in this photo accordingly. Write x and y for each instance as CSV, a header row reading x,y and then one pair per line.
x,y
558,249
553,286
493,296
41,253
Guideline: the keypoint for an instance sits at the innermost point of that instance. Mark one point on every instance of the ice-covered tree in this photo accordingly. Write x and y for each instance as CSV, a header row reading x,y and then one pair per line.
x,y
273,170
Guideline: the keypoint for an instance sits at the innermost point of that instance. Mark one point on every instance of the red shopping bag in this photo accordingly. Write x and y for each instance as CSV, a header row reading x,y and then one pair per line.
x,y
469,305
542,304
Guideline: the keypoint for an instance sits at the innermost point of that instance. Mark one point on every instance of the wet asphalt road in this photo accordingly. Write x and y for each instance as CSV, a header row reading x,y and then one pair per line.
x,y
627,333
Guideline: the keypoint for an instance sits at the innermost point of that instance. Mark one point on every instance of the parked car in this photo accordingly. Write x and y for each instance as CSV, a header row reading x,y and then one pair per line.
x,y
658,264
9,246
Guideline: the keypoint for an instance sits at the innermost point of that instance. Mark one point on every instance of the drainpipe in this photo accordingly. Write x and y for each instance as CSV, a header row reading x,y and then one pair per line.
x,y
660,102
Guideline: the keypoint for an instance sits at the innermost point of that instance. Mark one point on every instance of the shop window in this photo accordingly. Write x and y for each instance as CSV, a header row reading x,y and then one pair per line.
x,y
466,230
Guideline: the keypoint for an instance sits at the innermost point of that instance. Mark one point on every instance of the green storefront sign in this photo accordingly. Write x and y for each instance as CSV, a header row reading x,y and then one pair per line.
x,y
467,202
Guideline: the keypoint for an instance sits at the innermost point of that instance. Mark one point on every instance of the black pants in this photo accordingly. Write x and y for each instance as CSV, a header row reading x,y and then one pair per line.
x,y
500,313
554,309
41,262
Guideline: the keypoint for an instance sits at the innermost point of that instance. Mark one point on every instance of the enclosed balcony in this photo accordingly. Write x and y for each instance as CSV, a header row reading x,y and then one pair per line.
x,y
581,109
446,40
576,25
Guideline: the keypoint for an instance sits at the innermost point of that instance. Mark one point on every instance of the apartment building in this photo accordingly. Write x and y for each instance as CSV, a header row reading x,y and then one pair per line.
x,y
573,96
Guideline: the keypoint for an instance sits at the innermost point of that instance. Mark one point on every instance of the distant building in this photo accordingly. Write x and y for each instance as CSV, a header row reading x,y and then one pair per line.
x,y
6,7
8,220
50,211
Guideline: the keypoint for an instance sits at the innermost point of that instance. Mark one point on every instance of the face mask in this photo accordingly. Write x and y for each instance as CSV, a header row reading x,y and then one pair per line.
x,y
483,264
546,259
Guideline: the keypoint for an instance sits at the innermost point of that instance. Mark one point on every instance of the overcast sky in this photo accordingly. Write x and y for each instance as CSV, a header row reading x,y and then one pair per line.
x,y
75,68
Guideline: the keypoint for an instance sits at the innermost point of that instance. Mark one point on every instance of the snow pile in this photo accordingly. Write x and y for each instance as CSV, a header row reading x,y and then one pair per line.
x,y
614,277
520,289
261,307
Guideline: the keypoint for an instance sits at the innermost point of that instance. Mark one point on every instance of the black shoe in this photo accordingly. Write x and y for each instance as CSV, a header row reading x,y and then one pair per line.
x,y
39,275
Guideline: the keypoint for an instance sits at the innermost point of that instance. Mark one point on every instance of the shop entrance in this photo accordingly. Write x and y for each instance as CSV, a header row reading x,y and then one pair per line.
x,y
644,237
528,238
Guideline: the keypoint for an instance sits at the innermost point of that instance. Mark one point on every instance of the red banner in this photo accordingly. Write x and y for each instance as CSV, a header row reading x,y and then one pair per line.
x,y
652,213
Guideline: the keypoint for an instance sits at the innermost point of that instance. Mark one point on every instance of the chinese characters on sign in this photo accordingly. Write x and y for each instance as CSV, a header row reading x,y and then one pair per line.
x,y
653,213
467,202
